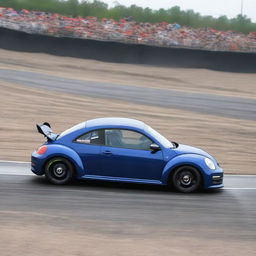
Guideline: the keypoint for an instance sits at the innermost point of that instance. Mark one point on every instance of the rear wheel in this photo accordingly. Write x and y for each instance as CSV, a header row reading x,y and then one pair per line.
x,y
59,171
186,179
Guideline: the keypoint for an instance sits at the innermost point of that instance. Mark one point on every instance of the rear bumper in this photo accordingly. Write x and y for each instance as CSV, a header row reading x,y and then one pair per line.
x,y
37,163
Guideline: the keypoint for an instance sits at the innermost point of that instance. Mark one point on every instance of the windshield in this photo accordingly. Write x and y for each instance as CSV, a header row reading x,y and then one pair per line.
x,y
166,143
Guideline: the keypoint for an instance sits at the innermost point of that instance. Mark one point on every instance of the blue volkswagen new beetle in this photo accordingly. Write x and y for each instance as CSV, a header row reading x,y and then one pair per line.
x,y
123,150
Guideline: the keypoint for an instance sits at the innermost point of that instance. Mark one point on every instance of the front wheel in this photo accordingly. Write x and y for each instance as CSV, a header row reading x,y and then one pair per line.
x,y
186,179
59,171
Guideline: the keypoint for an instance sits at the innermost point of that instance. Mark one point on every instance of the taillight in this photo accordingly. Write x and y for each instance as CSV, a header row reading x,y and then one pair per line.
x,y
42,150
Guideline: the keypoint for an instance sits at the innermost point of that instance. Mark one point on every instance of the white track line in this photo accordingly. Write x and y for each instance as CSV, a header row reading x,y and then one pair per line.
x,y
14,162
18,174
240,175
30,173
240,188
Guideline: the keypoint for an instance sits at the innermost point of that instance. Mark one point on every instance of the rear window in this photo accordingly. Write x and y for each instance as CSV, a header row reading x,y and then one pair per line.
x,y
94,137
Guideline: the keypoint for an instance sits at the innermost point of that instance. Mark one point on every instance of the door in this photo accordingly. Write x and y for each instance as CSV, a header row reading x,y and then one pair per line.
x,y
88,146
127,153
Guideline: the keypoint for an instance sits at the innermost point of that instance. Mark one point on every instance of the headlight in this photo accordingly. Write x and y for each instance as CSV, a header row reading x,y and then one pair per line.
x,y
210,163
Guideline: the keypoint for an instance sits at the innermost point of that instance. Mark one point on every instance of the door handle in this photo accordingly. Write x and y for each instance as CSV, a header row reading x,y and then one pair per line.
x,y
107,152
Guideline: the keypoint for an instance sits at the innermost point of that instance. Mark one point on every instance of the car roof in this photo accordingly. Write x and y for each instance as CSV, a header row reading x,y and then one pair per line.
x,y
114,121
107,122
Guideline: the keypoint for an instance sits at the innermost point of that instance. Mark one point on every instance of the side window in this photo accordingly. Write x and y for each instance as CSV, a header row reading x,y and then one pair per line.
x,y
94,137
126,139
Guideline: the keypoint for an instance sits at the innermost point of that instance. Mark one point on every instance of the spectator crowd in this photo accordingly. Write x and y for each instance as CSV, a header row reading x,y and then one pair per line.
x,y
126,30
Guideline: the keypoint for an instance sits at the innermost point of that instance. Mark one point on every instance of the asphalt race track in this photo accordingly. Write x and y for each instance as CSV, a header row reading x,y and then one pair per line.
x,y
234,107
228,213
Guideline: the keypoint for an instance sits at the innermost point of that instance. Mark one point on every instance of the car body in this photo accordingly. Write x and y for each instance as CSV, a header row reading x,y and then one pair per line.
x,y
123,150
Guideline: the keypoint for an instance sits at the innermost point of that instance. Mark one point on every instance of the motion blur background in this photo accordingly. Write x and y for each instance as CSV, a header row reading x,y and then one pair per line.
x,y
189,75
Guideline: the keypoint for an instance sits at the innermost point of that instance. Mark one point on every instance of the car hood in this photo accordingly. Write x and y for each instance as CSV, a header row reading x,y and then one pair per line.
x,y
185,149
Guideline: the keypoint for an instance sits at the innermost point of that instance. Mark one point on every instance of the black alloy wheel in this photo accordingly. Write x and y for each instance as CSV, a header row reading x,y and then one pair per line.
x,y
186,179
59,171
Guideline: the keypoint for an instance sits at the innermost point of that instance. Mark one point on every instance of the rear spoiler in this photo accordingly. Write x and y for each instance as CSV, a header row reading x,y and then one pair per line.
x,y
46,130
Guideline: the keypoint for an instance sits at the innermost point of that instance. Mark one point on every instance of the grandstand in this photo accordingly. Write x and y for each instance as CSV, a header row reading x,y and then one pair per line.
x,y
126,30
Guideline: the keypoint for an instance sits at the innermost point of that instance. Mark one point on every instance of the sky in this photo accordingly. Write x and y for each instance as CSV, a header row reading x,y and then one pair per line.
x,y
215,8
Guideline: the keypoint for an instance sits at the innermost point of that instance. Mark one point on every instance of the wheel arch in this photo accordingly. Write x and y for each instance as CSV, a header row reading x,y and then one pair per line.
x,y
62,157
67,153
192,160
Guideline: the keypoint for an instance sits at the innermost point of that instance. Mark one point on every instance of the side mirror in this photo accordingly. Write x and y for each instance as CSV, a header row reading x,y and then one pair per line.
x,y
154,147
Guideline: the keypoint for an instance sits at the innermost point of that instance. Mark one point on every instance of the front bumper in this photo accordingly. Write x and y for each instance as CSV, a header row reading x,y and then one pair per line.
x,y
214,179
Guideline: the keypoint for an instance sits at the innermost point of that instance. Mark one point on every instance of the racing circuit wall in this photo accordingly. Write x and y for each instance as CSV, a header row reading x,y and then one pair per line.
x,y
128,53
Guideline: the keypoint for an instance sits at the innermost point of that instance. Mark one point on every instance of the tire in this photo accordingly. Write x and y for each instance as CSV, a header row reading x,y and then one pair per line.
x,y
186,179
59,171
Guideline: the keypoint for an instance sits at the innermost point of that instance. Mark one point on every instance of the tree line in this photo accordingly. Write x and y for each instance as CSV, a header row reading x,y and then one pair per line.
x,y
100,9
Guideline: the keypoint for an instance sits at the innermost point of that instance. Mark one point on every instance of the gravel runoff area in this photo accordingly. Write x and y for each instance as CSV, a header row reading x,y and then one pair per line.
x,y
231,140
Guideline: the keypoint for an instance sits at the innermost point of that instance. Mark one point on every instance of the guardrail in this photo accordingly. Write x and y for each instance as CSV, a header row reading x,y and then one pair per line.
x,y
126,52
